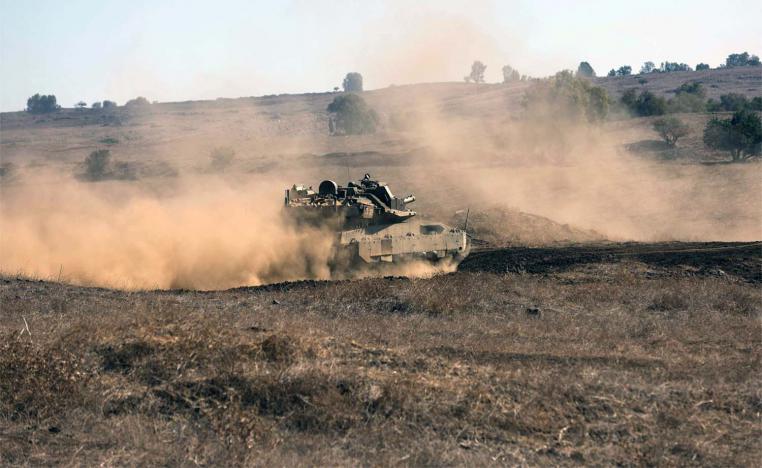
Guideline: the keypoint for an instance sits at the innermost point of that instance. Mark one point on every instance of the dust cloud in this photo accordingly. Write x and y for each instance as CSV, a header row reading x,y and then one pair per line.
x,y
204,234
581,174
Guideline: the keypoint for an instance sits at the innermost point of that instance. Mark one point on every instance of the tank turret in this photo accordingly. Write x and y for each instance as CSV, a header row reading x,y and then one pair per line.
x,y
373,224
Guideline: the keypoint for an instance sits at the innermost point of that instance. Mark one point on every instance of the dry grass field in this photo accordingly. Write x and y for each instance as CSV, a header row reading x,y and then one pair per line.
x,y
610,315
603,363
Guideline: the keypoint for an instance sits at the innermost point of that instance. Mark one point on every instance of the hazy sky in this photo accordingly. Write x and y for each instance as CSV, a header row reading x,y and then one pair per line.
x,y
180,50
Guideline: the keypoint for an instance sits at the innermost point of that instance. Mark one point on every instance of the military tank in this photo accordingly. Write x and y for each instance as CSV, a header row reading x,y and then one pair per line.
x,y
373,226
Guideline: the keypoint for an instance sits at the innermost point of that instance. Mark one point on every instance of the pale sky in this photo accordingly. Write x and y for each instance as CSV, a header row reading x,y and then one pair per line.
x,y
174,50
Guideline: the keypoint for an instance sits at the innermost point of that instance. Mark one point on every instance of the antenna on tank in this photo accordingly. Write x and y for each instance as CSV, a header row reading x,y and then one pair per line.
x,y
465,226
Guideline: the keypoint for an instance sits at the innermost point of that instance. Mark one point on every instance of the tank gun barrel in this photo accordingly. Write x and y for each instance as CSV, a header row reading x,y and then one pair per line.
x,y
409,199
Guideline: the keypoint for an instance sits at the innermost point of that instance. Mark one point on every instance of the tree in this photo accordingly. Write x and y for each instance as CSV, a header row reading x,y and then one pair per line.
x,y
731,102
351,115
97,105
670,129
42,104
335,89
138,102
742,60
668,67
566,96
510,74
477,72
108,104
624,70
585,70
645,104
702,66
647,67
611,72
80,105
741,135
352,83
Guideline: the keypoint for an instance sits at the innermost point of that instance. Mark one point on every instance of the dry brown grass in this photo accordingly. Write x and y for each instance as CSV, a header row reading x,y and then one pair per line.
x,y
605,367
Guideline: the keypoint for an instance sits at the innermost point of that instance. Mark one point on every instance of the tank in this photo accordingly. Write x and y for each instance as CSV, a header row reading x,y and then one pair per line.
x,y
373,226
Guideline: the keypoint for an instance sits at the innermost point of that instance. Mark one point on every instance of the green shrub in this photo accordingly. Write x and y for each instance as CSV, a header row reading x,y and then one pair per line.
x,y
741,135
567,96
99,165
670,129
734,102
702,66
351,115
644,104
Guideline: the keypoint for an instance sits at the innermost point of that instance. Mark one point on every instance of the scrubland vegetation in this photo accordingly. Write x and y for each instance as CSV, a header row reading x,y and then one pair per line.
x,y
606,363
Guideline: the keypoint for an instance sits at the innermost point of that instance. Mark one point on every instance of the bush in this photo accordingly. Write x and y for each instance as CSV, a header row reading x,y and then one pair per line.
x,y
221,158
742,60
686,102
42,104
692,88
352,83
740,135
100,166
108,104
734,102
689,98
564,95
477,73
97,105
670,129
645,104
624,70
702,66
510,74
351,115
611,72
138,102
585,70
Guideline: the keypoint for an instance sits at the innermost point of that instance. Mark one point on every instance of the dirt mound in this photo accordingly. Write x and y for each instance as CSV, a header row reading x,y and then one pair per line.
x,y
497,227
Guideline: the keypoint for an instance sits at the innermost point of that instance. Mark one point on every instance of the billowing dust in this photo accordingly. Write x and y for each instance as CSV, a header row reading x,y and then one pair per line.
x,y
206,231
205,235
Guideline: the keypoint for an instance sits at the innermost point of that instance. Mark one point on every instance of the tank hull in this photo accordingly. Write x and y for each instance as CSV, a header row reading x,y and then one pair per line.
x,y
400,242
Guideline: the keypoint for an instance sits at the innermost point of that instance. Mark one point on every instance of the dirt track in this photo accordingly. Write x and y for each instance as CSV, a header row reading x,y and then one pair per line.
x,y
700,258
